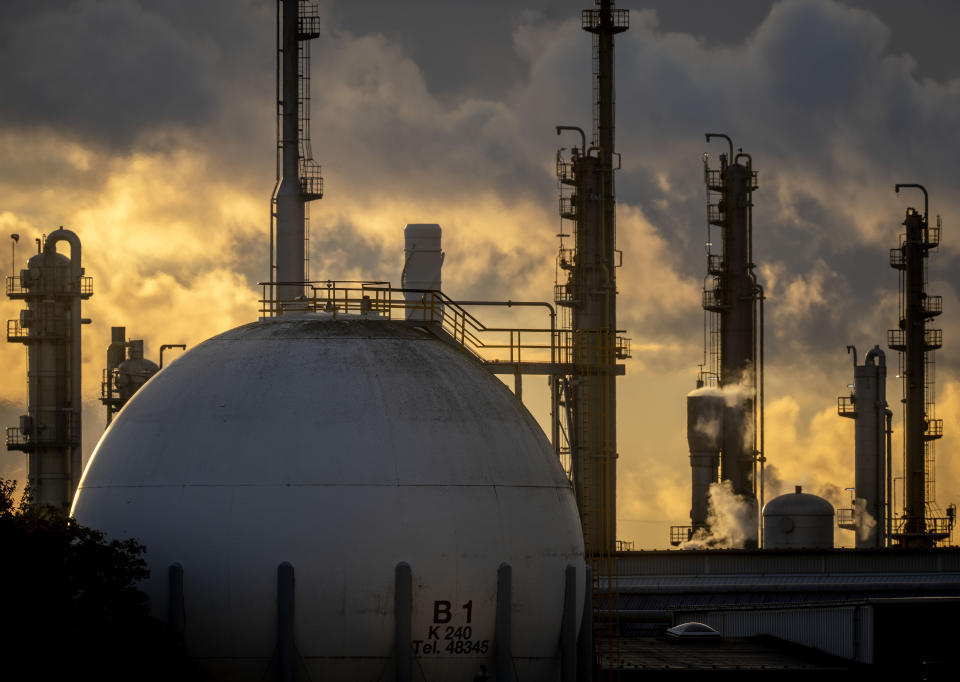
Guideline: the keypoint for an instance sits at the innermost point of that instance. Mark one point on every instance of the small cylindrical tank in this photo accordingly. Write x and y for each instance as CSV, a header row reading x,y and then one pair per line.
x,y
798,520
134,371
423,260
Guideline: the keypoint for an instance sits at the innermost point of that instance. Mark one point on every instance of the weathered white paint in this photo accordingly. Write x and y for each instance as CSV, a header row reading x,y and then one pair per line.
x,y
342,447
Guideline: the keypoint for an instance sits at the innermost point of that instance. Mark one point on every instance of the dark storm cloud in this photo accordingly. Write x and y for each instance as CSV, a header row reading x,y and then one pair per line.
x,y
102,71
106,72
832,120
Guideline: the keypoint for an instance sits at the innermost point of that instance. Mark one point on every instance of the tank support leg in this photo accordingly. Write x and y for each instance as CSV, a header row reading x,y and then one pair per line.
x,y
504,626
568,627
585,644
285,621
403,608
176,617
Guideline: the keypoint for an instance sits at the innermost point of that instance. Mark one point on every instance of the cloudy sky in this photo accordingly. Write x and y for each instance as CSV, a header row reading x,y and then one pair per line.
x,y
147,127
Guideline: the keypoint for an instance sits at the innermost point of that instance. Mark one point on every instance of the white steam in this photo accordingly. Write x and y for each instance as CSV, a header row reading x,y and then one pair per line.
x,y
730,520
734,395
708,427
863,519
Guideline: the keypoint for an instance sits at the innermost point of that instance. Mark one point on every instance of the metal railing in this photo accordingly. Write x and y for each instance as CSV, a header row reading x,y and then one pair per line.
x,y
715,264
933,430
16,332
897,259
311,182
568,209
65,432
308,21
15,438
846,406
565,172
682,534
590,19
562,295
934,525
714,180
932,306
711,300
16,289
428,307
714,214
846,519
15,286
930,237
932,339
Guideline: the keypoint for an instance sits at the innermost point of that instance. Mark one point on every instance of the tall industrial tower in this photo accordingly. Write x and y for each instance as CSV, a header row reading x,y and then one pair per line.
x,y
867,406
589,295
53,287
298,174
922,523
724,435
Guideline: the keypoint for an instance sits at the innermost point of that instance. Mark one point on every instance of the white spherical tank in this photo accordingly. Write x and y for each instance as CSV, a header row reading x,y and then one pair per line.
x,y
798,520
342,447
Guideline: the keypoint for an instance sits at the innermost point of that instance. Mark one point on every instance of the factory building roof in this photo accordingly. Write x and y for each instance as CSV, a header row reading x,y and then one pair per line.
x,y
651,657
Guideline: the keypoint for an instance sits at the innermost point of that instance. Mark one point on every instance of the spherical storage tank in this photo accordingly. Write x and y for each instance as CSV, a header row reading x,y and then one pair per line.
x,y
798,520
344,447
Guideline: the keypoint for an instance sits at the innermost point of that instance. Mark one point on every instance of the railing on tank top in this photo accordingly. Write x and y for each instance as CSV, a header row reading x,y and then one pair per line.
x,y
510,345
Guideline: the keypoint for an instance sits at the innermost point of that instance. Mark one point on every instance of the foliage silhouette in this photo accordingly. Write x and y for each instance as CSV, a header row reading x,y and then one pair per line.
x,y
70,606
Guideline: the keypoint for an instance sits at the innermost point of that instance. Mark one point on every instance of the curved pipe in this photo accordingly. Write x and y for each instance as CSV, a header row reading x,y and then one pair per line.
x,y
62,235
167,346
749,158
853,349
583,137
876,354
725,137
923,189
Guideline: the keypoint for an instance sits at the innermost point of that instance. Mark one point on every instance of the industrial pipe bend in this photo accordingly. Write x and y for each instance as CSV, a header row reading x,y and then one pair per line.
x,y
62,235
876,353
725,137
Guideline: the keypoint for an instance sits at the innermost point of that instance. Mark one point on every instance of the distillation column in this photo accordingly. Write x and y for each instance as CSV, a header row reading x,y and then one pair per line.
x,y
733,294
590,295
917,342
53,287
298,176
868,407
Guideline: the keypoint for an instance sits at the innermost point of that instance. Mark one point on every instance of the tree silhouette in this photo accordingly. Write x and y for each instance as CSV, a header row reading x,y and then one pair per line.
x,y
70,606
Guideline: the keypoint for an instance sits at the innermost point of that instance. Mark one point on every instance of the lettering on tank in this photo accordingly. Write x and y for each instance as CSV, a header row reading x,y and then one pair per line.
x,y
451,632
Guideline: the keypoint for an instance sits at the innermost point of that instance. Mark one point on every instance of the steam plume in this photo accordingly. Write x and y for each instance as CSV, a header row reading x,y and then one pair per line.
x,y
730,520
863,519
